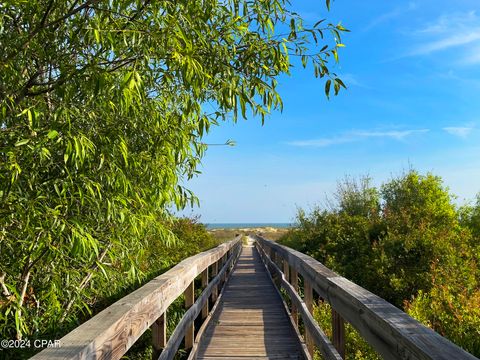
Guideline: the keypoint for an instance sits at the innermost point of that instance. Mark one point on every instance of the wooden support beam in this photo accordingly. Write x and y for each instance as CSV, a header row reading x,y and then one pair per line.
x,y
189,301
204,285
221,262
338,330
188,318
215,289
224,276
159,336
308,299
270,253
114,330
294,282
323,343
286,270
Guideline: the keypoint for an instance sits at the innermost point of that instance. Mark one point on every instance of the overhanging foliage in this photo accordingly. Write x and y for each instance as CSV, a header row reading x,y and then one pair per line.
x,y
102,110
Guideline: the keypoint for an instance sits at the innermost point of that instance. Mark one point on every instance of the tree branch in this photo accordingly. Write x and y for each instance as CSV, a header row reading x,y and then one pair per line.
x,y
25,280
5,290
85,281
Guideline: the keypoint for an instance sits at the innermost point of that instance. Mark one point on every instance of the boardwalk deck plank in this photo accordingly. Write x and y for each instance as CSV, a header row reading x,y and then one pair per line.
x,y
251,321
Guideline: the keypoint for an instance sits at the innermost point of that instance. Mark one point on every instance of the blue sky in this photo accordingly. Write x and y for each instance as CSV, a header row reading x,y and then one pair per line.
x,y
413,74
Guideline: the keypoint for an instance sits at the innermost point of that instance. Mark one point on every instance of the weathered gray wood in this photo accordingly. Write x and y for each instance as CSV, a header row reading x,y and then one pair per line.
x,y
391,332
204,285
191,314
109,334
190,329
315,332
199,334
222,263
214,273
338,333
250,320
308,298
159,336
286,270
294,282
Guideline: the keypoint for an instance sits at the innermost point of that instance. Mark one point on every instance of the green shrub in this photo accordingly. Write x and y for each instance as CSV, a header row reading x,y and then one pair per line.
x,y
407,243
188,237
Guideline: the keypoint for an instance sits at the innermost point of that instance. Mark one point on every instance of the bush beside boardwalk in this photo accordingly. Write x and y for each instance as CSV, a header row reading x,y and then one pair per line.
x,y
189,237
408,243
269,232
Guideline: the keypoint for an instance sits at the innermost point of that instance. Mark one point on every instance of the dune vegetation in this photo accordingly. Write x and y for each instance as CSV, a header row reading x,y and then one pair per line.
x,y
406,241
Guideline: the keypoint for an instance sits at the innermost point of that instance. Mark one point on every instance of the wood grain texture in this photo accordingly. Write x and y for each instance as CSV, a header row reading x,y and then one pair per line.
x,y
390,331
315,333
250,321
308,299
109,334
215,289
190,328
294,283
204,285
338,330
185,325
159,335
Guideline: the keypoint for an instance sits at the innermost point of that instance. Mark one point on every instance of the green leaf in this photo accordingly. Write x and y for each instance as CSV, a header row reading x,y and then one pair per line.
x,y
22,142
327,87
338,80
335,55
52,134
97,35
117,101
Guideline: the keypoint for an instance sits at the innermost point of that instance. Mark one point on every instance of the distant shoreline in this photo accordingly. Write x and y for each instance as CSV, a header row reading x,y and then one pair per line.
x,y
229,226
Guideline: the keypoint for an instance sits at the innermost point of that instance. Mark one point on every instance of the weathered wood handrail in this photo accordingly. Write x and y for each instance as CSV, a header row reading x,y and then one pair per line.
x,y
185,324
390,331
110,334
314,334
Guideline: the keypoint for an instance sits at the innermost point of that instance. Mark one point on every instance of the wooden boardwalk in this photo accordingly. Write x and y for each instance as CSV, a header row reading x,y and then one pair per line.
x,y
250,321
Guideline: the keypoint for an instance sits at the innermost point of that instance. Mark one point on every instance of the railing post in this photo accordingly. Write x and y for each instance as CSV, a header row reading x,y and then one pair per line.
x,y
224,276
286,270
272,256
215,289
308,298
159,335
189,300
338,330
294,282
204,285
275,276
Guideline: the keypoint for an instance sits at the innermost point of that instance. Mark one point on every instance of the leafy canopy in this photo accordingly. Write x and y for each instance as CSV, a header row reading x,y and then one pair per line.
x,y
103,105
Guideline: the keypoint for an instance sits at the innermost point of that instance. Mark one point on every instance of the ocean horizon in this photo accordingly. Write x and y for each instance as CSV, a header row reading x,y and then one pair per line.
x,y
247,225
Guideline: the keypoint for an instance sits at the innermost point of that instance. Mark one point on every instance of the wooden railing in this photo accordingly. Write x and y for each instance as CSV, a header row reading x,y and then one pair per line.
x,y
392,333
113,331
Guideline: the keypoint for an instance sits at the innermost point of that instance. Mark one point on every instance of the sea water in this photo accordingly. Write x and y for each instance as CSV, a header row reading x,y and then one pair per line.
x,y
247,225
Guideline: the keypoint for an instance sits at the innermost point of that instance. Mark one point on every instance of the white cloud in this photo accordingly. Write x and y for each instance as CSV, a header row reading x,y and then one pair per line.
x,y
447,42
324,142
445,23
472,56
391,15
398,135
455,30
458,76
356,136
462,132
